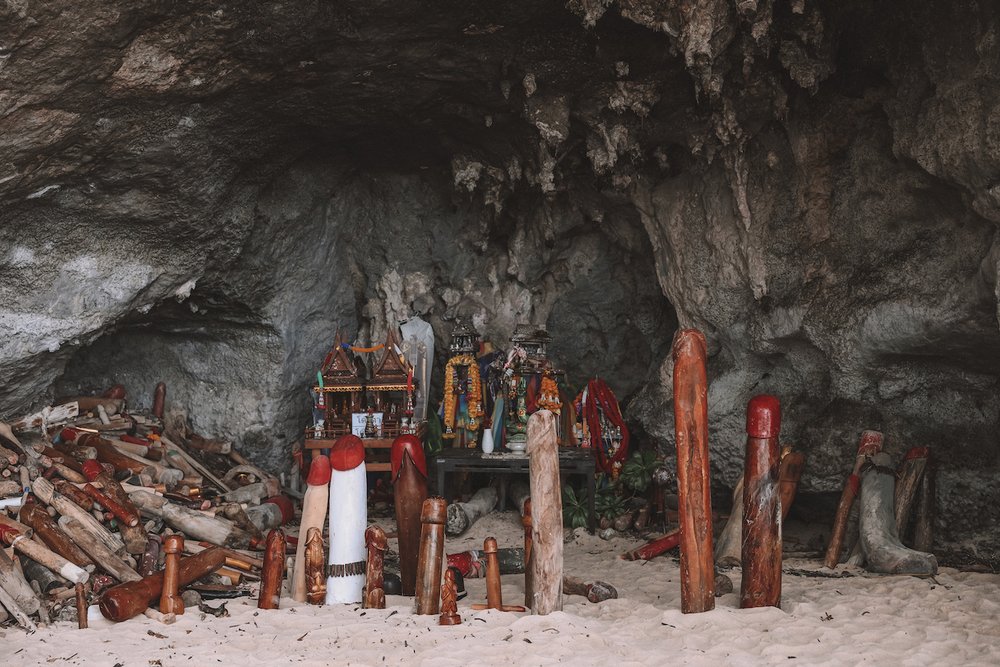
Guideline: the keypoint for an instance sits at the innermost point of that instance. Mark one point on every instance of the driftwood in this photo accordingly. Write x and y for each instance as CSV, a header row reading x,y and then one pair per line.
x,y
273,572
871,443
170,599
409,485
49,417
693,483
42,577
106,559
134,537
730,542
314,507
14,583
761,552
546,518
18,536
7,601
376,543
923,532
911,471
428,583
125,601
461,516
192,523
597,591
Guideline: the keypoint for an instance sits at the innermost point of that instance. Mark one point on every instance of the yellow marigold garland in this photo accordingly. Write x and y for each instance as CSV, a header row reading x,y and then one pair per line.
x,y
475,398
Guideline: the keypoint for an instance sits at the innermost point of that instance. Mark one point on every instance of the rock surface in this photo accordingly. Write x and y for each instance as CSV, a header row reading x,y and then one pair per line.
x,y
201,194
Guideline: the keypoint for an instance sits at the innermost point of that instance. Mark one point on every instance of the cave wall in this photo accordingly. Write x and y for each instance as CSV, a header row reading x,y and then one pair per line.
x,y
201,193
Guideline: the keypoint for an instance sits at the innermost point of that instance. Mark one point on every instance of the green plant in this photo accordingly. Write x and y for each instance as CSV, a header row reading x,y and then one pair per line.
x,y
609,503
637,473
575,511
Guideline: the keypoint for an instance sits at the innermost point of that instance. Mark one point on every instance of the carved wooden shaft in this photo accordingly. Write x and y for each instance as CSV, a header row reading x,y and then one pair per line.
x,y
314,563
20,539
428,583
74,494
449,600
124,601
923,532
314,507
81,606
170,599
123,514
105,559
134,536
907,484
273,571
159,399
789,474
870,444
36,518
655,547
409,481
546,519
348,520
376,543
694,499
494,592
761,554
67,508
529,592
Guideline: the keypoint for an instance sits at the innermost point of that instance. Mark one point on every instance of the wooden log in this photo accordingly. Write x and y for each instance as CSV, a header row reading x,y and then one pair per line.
x,y
50,416
122,507
22,617
39,575
376,543
761,554
655,547
45,528
409,483
105,559
529,589
175,455
546,520
170,598
159,400
75,494
596,591
730,543
192,523
143,451
127,600
106,452
428,580
870,444
67,473
47,494
693,482
911,471
10,488
314,507
461,516
19,536
273,572
81,606
789,474
449,600
923,532
126,516
13,581
315,566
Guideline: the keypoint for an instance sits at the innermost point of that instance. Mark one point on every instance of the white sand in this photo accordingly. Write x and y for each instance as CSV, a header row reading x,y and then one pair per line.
x,y
950,620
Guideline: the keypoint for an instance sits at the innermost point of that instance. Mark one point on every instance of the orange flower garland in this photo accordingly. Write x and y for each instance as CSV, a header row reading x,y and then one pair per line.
x,y
548,398
475,397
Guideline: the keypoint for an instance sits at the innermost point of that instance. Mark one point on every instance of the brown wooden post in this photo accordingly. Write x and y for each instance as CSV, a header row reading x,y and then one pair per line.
x,y
376,543
124,601
694,499
546,519
911,471
494,592
273,571
761,554
789,474
159,399
409,482
923,532
428,583
170,599
81,606
870,444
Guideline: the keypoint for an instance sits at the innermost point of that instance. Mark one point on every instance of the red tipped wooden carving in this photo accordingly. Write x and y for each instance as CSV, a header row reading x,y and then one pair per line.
x,y
170,599
409,480
693,482
870,444
761,552
273,571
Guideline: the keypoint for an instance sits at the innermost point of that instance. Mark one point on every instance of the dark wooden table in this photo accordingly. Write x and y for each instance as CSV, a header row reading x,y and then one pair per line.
x,y
572,461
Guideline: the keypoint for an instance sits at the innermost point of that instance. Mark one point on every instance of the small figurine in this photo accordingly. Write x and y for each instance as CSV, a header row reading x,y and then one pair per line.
x,y
449,600
315,564
376,543
273,571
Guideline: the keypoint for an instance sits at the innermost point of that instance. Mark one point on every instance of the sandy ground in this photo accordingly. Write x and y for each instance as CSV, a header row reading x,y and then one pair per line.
x,y
952,619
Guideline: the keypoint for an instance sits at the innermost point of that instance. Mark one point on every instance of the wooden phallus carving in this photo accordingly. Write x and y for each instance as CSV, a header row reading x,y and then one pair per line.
x,y
761,553
273,571
376,543
428,582
409,481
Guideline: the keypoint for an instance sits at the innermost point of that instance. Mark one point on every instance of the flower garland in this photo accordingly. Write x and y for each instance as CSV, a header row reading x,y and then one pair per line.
x,y
548,398
475,396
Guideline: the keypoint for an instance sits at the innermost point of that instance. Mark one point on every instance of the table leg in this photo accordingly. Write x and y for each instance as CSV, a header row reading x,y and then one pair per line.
x,y
591,503
440,475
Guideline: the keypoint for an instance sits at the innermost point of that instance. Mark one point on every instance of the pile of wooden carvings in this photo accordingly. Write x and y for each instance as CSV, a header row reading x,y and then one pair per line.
x,y
104,509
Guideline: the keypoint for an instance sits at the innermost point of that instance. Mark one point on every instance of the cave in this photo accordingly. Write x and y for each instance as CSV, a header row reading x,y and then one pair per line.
x,y
204,194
